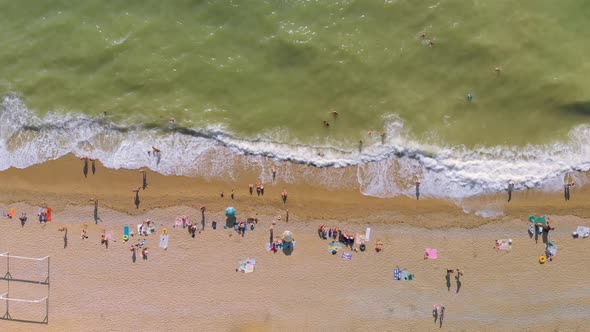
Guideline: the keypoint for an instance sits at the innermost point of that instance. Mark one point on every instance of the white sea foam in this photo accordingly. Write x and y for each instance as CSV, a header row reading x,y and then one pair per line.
x,y
383,169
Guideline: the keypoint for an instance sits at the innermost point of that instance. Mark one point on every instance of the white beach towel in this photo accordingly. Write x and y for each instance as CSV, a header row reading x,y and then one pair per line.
x,y
583,231
504,244
368,234
164,241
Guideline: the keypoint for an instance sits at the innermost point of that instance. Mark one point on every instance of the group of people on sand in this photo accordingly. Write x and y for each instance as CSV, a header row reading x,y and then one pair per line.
x,y
568,183
259,189
334,233
139,245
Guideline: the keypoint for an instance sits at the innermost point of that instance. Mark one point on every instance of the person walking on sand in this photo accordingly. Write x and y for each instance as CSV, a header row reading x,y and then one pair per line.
x,y
435,313
417,181
442,316
261,190
136,201
144,183
85,168
93,166
274,174
251,188
510,189
284,196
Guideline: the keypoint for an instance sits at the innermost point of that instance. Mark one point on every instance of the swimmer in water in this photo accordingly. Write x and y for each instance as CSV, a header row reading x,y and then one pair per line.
x,y
334,114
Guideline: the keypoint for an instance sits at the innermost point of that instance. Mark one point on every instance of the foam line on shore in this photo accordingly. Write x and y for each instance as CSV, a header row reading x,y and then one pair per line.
x,y
383,168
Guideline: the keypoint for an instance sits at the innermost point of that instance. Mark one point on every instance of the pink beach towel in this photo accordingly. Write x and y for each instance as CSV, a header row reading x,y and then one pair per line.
x,y
431,253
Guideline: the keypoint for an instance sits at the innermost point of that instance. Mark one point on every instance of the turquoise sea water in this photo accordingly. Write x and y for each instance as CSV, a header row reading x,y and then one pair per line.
x,y
259,77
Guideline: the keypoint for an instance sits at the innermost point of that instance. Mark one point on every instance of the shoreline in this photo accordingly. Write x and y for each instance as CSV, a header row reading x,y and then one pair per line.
x,y
60,183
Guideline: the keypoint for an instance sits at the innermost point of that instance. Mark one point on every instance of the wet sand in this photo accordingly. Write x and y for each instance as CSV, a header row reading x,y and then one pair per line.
x,y
193,284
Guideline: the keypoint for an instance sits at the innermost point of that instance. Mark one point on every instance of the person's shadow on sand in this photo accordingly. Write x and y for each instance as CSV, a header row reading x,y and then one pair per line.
x,y
435,314
288,249
458,283
134,256
66,238
448,278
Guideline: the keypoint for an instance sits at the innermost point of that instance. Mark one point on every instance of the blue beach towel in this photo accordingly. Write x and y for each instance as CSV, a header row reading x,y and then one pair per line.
x,y
397,274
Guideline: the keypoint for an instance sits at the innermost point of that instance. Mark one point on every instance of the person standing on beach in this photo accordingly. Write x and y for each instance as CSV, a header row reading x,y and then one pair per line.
x,y
96,218
261,189
284,196
458,280
442,315
23,219
448,279
271,230
274,174
85,168
203,208
510,189
546,229
251,188
136,201
417,181
144,183
287,216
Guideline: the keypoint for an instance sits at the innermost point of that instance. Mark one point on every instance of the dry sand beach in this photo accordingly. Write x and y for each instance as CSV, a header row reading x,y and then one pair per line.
x,y
194,286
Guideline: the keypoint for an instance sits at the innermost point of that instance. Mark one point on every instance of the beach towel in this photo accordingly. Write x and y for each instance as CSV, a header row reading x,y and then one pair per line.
x,y
368,234
164,241
583,231
126,231
551,249
431,253
347,256
531,229
247,266
538,220
504,244
334,246
397,274
404,275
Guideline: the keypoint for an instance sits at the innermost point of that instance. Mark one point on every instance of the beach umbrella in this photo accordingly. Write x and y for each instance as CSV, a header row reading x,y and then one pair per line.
x,y
287,236
230,212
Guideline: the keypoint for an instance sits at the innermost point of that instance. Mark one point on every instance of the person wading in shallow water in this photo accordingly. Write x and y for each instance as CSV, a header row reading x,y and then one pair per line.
x,y
510,189
417,181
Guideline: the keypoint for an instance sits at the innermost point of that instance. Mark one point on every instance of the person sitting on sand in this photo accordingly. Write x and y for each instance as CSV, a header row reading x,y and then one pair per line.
x,y
144,254
378,245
